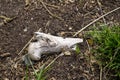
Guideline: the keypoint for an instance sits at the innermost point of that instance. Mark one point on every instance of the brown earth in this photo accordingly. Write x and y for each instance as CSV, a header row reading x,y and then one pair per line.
x,y
65,16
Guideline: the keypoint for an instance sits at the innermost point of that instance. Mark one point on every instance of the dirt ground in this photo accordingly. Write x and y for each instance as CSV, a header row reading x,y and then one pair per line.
x,y
60,16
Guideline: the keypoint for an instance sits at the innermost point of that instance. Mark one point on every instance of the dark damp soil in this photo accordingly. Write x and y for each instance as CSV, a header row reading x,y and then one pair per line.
x,y
67,16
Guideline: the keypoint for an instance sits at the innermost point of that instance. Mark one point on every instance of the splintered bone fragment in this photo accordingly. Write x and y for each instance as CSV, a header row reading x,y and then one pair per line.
x,y
47,43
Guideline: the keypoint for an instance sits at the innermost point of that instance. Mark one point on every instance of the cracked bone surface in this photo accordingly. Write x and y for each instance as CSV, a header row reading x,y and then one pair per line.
x,y
46,43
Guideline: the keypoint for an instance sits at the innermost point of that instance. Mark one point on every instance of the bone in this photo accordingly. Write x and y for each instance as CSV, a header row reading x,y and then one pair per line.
x,y
47,43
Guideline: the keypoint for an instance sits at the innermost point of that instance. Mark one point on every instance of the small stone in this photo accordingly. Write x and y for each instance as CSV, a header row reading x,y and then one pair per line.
x,y
25,30
67,53
70,28
32,18
92,2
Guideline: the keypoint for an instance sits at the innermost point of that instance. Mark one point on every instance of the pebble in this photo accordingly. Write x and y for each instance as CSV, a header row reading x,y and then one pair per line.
x,y
70,28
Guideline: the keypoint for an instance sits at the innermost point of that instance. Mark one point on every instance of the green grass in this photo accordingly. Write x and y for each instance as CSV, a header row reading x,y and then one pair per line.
x,y
26,72
40,75
77,49
107,47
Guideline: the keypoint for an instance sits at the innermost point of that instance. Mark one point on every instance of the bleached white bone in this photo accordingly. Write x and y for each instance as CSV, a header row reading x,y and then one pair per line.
x,y
47,43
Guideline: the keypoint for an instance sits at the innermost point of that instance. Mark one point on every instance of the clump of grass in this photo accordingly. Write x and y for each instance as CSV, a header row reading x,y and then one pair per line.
x,y
26,72
40,75
107,47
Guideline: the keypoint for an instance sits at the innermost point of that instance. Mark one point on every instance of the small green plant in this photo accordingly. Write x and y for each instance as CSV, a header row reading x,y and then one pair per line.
x,y
107,47
26,72
77,49
40,75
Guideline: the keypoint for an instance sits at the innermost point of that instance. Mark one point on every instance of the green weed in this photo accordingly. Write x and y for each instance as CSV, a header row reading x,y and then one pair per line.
x,y
40,75
26,72
107,47
77,49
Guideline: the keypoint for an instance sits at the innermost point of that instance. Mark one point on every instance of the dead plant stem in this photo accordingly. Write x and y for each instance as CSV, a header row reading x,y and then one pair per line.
x,y
99,4
95,21
50,11
101,70
54,60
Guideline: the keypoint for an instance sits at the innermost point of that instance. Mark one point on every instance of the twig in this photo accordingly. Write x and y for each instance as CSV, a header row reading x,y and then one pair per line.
x,y
4,17
26,45
54,60
90,58
106,73
31,65
101,70
51,62
99,4
88,46
54,6
50,12
95,21
6,20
